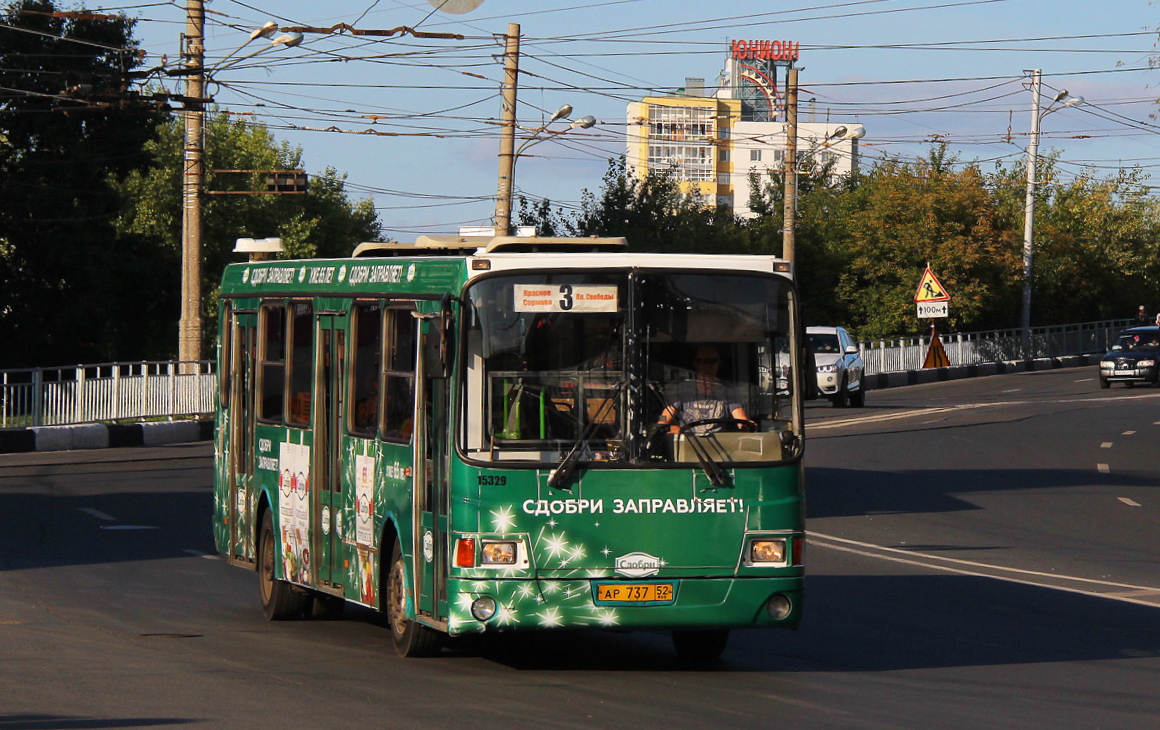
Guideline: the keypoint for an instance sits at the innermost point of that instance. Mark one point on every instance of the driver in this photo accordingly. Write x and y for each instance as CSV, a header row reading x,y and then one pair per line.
x,y
704,398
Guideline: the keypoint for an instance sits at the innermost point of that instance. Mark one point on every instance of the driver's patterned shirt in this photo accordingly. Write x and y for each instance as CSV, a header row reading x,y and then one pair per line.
x,y
702,400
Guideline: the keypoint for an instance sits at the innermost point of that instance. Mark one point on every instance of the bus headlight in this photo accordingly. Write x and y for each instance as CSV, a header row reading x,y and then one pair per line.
x,y
498,553
767,551
495,553
1145,363
483,608
778,607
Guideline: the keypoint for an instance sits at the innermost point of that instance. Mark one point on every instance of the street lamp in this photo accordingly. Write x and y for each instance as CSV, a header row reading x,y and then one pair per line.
x,y
1029,206
538,134
289,40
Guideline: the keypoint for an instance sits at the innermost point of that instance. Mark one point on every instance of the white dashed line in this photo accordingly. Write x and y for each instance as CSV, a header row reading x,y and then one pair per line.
x,y
1106,445
1128,433
97,513
1103,469
1130,502
1143,595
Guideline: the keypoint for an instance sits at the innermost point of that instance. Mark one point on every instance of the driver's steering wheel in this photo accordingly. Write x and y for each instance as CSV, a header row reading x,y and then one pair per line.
x,y
738,424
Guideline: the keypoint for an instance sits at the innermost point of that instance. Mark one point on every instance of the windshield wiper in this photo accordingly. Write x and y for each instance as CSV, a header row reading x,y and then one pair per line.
x,y
564,470
712,469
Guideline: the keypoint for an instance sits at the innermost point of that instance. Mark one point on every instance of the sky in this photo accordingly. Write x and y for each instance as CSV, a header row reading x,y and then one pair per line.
x,y
413,122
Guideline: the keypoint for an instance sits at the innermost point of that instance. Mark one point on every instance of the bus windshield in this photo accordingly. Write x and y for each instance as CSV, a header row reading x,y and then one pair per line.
x,y
629,367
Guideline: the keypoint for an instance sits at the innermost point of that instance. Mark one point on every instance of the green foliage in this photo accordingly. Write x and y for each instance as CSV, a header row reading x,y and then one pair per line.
x,y
90,198
651,212
320,223
863,241
67,136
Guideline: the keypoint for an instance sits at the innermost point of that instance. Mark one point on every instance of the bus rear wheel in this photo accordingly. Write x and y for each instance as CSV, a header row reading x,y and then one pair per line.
x,y
700,645
410,638
280,601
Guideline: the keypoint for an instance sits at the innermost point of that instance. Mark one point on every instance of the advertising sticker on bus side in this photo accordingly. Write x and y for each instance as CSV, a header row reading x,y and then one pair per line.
x,y
564,298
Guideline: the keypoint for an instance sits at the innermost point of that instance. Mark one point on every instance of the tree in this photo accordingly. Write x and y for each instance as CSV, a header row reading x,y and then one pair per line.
x,y
652,213
864,240
69,131
323,222
1095,243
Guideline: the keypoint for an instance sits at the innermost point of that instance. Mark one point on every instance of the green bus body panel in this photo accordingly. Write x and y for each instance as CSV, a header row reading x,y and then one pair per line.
x,y
696,537
569,604
353,277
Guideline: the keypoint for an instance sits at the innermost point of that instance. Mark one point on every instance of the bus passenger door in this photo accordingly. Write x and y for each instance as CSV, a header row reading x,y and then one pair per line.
x,y
431,483
327,492
242,357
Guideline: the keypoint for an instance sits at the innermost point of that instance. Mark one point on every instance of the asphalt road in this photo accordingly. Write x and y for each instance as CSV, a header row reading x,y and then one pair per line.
x,y
983,554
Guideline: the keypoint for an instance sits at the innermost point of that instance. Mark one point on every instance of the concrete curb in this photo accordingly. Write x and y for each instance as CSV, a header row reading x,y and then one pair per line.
x,y
103,436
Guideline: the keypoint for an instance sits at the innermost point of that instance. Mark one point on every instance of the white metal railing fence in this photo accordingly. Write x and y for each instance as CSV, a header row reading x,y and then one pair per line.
x,y
973,348
109,392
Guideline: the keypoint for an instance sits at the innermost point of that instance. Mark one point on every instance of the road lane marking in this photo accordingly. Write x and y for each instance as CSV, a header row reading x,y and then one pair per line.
x,y
1128,433
199,554
1143,595
97,513
1103,469
1130,502
920,412
1106,445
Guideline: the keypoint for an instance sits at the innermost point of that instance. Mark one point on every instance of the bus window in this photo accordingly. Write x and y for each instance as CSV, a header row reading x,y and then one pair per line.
x,y
301,374
550,357
549,363
368,349
273,361
400,374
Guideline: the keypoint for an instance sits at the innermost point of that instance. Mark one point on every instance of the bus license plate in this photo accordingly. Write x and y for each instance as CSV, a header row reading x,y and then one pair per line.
x,y
634,593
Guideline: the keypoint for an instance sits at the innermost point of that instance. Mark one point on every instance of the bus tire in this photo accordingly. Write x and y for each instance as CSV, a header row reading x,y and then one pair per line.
x,y
325,607
700,645
410,639
280,601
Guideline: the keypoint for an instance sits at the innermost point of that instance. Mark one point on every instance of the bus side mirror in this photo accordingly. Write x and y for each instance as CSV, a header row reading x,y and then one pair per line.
x,y
436,342
433,351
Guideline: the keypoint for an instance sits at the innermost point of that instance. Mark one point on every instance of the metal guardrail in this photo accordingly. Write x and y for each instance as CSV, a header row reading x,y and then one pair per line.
x,y
169,389
108,392
973,348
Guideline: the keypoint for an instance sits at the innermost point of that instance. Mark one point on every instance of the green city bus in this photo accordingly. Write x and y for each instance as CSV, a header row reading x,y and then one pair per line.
x,y
515,434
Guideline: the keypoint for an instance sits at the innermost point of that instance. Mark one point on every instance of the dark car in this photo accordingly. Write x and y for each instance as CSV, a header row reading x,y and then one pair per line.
x,y
1133,358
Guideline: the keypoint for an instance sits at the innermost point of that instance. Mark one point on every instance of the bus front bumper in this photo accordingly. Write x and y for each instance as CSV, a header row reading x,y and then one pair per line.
x,y
694,603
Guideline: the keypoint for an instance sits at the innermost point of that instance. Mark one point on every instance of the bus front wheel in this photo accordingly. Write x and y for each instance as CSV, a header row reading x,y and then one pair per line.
x,y
700,645
280,601
410,638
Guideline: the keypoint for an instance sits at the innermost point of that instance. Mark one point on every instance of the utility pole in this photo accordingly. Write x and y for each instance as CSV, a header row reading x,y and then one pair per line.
x,y
192,182
1029,206
507,142
791,129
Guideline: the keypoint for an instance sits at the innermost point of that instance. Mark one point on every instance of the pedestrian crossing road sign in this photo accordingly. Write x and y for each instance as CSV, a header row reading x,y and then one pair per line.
x,y
930,289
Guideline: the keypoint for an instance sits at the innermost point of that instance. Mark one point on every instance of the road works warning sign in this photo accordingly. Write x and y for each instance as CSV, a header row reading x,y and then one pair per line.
x,y
930,289
931,298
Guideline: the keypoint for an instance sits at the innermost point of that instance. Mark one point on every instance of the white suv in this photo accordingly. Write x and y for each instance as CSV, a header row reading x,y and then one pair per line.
x,y
839,365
